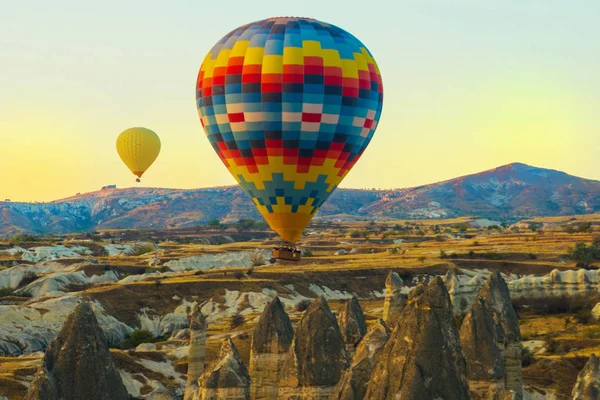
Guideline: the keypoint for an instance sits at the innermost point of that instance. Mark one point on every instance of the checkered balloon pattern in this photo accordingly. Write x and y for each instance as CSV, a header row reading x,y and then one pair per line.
x,y
289,105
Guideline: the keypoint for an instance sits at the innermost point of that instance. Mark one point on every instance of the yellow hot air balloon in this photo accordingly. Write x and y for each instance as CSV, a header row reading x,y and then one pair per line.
x,y
138,148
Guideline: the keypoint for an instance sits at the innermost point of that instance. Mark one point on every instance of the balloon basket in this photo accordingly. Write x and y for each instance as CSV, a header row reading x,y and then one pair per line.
x,y
286,253
138,180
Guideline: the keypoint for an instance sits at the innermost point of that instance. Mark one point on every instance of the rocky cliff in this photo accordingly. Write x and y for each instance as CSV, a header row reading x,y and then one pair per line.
x,y
354,382
352,324
394,298
77,364
317,356
196,352
423,359
587,386
271,340
228,379
490,339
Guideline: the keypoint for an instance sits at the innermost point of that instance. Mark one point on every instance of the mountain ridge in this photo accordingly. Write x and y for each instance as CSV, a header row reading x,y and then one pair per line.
x,y
510,191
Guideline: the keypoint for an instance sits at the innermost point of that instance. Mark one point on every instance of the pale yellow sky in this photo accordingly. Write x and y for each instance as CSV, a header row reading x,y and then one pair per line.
x,y
468,87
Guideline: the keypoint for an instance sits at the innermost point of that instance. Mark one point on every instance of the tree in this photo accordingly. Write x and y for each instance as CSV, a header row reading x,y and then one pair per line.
x,y
585,254
245,225
214,223
584,227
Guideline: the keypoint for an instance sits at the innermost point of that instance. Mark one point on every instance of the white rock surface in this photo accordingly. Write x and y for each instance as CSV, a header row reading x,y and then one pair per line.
x,y
29,327
161,325
596,312
59,281
146,347
220,260
11,277
45,253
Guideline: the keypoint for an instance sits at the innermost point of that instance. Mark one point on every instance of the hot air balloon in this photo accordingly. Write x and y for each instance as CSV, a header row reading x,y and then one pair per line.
x,y
138,148
289,105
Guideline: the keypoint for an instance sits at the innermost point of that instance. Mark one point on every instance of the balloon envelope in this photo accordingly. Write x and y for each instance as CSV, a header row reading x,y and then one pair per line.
x,y
289,105
138,148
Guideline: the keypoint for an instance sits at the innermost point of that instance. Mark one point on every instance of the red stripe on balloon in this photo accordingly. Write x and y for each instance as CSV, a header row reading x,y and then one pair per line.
x,y
311,117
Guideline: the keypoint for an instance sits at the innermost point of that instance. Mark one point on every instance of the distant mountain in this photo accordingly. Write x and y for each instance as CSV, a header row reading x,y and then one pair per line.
x,y
511,191
508,192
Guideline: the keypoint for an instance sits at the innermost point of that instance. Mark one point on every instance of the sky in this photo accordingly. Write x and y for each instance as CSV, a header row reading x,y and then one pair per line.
x,y
469,85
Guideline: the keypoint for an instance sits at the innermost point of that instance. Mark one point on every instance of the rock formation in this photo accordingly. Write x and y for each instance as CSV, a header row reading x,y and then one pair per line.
x,y
77,364
394,299
490,338
228,379
196,352
496,292
270,345
556,284
163,394
352,324
483,342
355,380
317,356
587,386
423,359
461,295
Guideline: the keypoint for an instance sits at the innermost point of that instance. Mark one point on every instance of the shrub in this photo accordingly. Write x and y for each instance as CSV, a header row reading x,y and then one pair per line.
x,y
584,254
138,337
250,271
421,259
592,333
214,223
471,253
443,254
440,238
526,356
4,292
584,227
584,316
144,249
532,256
302,305
238,274
492,255
257,258
392,250
245,225
355,234
23,238
236,321
554,347
569,229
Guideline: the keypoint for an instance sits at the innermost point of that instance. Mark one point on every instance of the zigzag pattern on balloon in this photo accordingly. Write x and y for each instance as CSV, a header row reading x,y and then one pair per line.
x,y
289,105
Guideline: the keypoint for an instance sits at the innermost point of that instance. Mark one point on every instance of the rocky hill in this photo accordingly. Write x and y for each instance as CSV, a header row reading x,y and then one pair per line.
x,y
508,192
511,191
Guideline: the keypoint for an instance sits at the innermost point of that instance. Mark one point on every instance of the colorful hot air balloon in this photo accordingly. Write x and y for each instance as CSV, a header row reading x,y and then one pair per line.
x,y
138,148
289,105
